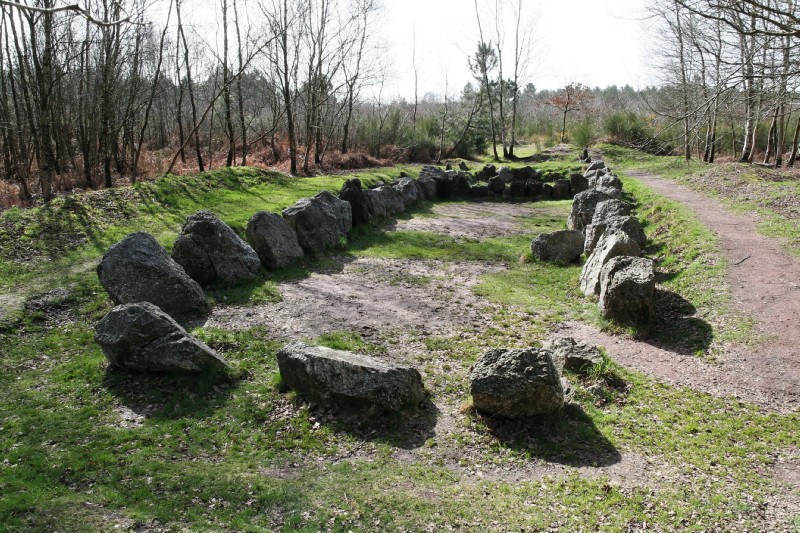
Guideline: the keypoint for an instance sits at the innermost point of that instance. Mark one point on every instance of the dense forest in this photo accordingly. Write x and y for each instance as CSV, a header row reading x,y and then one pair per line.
x,y
110,91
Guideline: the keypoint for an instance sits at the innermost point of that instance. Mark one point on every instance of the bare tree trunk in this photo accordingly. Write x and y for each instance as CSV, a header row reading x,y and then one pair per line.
x,y
239,92
795,138
151,99
226,91
190,88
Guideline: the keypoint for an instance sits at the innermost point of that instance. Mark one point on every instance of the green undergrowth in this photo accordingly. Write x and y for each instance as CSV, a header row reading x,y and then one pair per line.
x,y
46,245
236,453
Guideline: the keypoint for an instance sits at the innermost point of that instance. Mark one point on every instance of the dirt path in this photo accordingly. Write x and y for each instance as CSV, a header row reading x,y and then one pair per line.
x,y
765,282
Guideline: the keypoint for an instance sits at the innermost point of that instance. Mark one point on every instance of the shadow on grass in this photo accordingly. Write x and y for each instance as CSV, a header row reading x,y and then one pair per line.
x,y
406,430
170,396
569,438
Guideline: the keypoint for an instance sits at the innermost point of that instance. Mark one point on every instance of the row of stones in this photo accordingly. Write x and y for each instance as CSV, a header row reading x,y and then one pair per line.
x,y
602,226
140,335
150,288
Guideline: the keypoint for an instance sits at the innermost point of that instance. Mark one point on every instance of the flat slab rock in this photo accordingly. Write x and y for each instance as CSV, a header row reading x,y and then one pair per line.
x,y
142,337
564,246
516,383
349,380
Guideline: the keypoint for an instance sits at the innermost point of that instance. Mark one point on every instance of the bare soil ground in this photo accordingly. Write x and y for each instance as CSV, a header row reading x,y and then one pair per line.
x,y
476,220
372,296
397,304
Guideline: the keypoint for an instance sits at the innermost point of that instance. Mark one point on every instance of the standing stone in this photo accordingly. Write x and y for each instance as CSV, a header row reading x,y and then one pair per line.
x,y
410,192
585,156
461,185
577,183
375,202
142,337
547,190
611,245
480,191
392,198
211,252
320,222
274,240
497,185
428,185
624,224
583,207
138,269
522,174
353,193
608,181
516,189
504,174
559,247
463,166
627,292
488,171
534,188
561,190
348,379
611,208
597,165
516,383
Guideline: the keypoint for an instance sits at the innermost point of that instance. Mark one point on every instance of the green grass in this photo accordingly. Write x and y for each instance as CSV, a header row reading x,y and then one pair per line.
x,y
232,452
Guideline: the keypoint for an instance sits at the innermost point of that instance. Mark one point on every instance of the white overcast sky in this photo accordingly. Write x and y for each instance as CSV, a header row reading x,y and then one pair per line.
x,y
594,42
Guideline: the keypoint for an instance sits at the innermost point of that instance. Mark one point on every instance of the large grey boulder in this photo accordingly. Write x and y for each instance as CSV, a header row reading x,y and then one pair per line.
x,y
138,269
625,224
410,191
577,183
488,171
516,383
611,245
211,252
523,174
615,194
274,240
142,337
320,222
627,292
392,199
577,356
559,246
583,207
597,165
353,193
561,190
496,185
428,185
606,181
348,379
534,187
516,189
505,174
376,204
611,208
